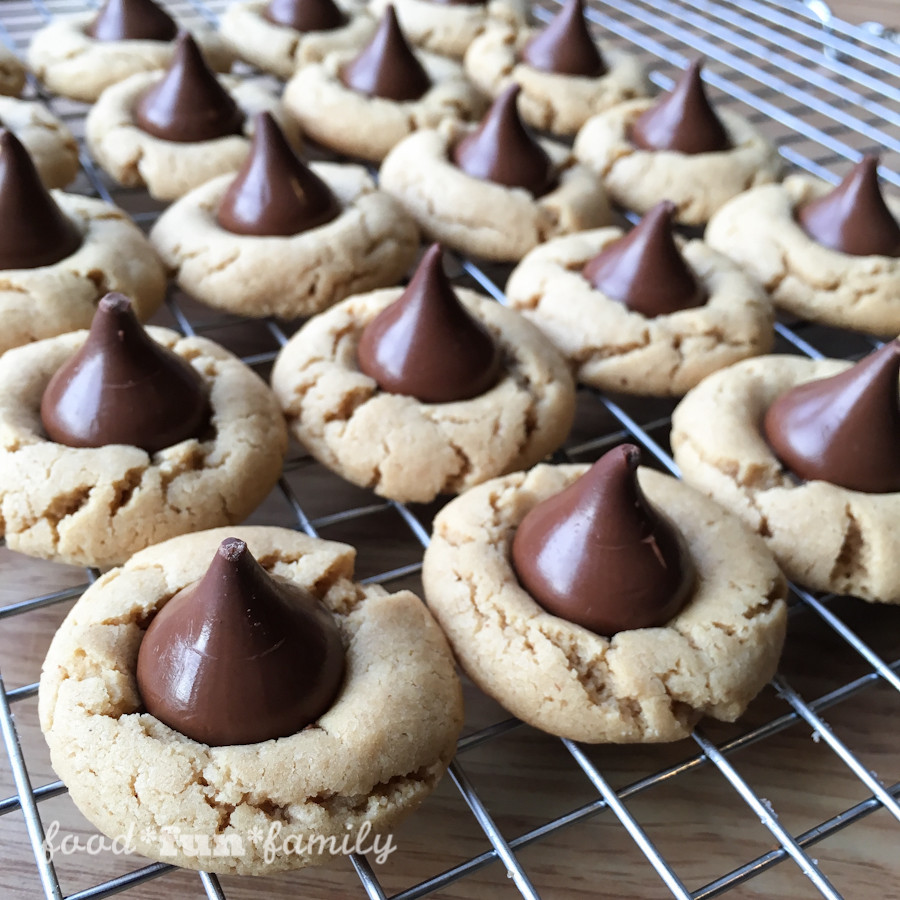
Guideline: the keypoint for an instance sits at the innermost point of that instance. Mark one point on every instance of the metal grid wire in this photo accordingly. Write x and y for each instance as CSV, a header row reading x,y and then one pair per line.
x,y
827,92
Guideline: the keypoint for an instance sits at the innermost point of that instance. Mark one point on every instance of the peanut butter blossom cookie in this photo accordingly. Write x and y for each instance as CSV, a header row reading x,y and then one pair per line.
x,y
565,75
145,435
50,144
494,190
807,453
12,73
80,56
677,147
280,36
598,603
828,254
59,253
448,27
282,238
175,130
423,391
363,105
235,686
642,313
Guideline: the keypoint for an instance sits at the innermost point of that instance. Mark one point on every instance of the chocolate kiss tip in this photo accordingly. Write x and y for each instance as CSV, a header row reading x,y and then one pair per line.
x,y
566,46
426,344
239,657
34,232
645,270
854,218
598,555
387,67
845,429
122,387
275,193
123,20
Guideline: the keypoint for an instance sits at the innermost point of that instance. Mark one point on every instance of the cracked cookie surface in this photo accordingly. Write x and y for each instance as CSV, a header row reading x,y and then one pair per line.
x,y
449,28
759,231
371,758
51,146
371,243
482,218
95,506
366,127
698,184
281,50
73,64
644,685
400,447
560,104
114,256
169,169
825,537
616,349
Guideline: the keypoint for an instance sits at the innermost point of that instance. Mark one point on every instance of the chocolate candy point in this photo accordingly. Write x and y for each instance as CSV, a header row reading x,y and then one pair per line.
x,y
565,46
387,66
188,104
645,269
275,193
503,150
426,344
122,387
854,218
682,120
597,554
239,657
305,15
132,20
34,231
845,429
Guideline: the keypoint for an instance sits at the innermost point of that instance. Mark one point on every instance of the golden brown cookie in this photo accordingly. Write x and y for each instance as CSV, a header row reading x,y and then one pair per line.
x,y
366,763
643,685
12,73
401,447
617,349
95,506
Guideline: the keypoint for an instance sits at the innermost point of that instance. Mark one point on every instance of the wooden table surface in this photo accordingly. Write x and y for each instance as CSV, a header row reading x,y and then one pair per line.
x,y
526,779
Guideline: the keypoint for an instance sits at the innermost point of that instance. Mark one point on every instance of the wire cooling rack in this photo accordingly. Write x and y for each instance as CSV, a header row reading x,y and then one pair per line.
x,y
782,804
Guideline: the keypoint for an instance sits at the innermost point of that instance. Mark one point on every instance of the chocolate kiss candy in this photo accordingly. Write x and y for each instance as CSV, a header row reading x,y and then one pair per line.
x,y
854,218
426,345
238,657
122,387
387,67
598,555
645,269
845,429
682,120
274,193
132,20
565,46
33,230
305,15
188,104
504,151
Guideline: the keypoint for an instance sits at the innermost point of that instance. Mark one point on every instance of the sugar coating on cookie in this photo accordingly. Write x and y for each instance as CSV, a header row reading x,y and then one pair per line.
x,y
366,763
408,450
73,64
449,28
101,504
552,102
169,169
644,685
12,72
483,218
825,537
282,50
370,243
49,142
617,349
698,183
760,232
